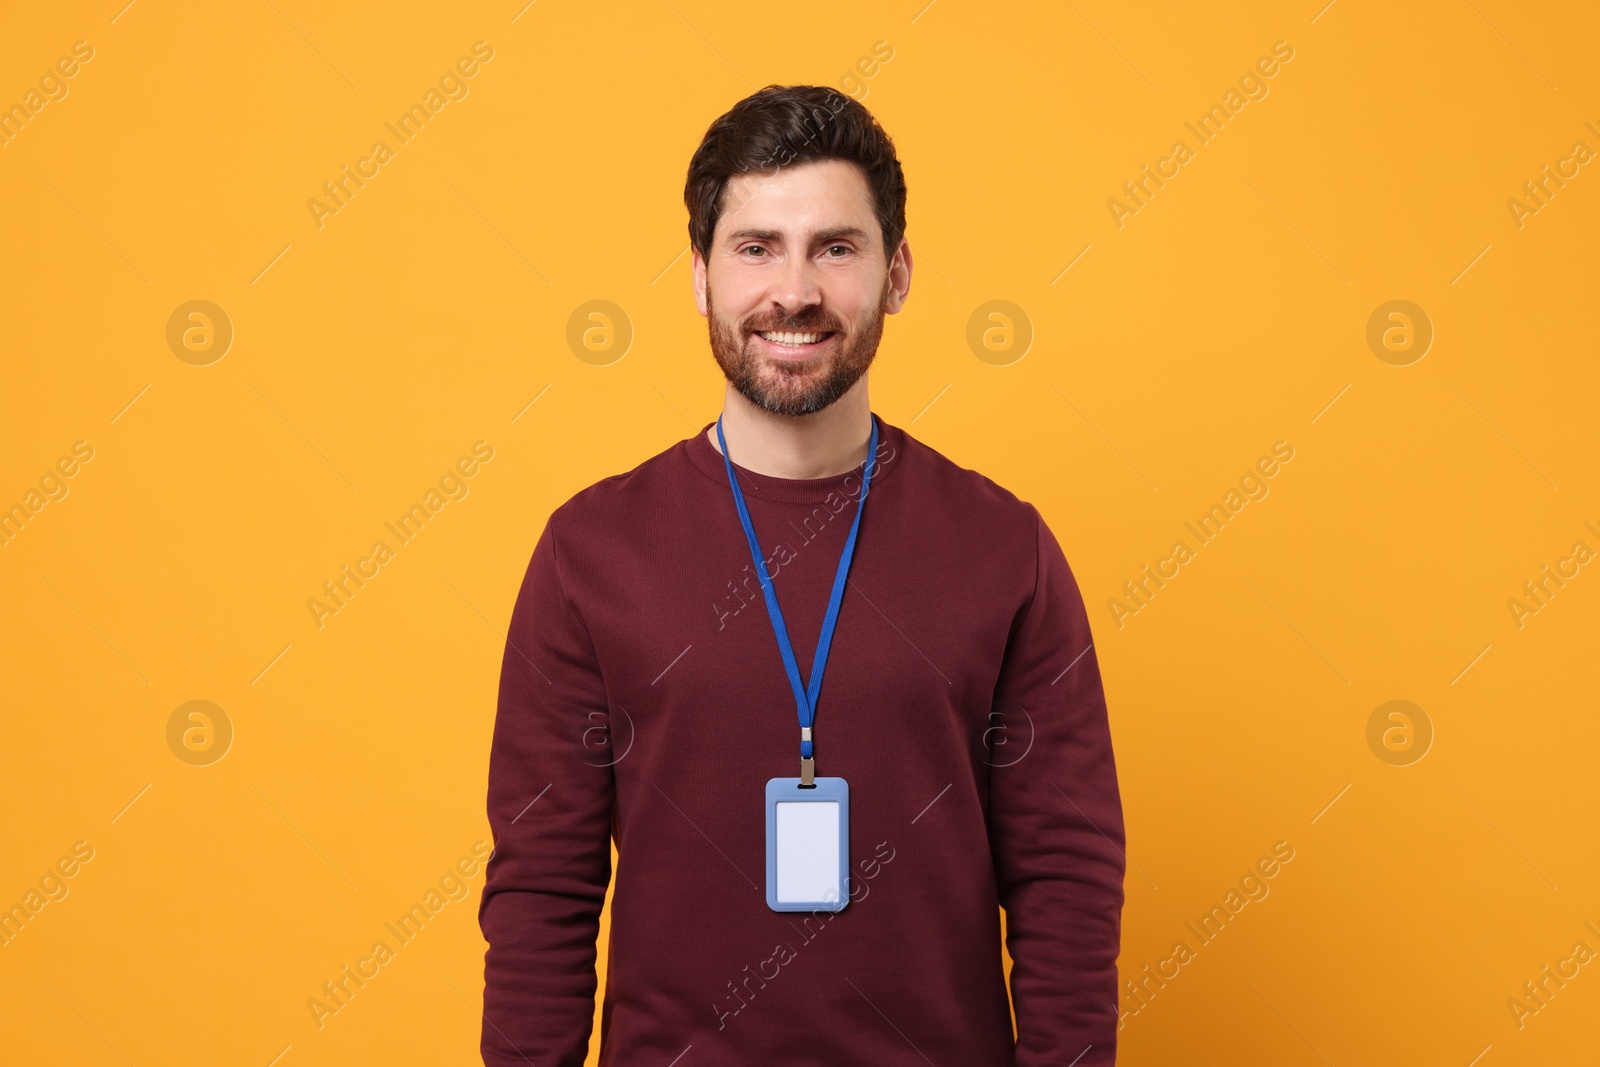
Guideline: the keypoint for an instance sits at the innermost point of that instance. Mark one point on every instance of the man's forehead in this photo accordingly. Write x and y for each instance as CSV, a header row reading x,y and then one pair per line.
x,y
824,195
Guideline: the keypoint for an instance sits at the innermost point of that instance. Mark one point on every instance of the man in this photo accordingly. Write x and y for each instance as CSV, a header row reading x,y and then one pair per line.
x,y
653,678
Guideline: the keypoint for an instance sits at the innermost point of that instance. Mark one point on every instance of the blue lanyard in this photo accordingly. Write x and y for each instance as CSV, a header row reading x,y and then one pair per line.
x,y
805,699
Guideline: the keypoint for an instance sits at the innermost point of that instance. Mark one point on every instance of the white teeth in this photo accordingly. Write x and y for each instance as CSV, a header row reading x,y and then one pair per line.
x,y
792,338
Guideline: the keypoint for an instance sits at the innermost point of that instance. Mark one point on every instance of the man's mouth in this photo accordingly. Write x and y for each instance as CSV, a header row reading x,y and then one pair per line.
x,y
793,342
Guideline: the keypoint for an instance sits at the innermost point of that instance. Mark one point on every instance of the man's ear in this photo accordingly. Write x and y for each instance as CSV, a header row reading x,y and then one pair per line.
x,y
697,276
899,278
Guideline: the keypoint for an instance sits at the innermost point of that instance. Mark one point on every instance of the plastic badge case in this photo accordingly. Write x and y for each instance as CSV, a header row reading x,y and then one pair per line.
x,y
808,845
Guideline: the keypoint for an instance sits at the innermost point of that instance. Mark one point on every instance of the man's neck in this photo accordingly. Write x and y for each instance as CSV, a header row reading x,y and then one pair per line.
x,y
831,441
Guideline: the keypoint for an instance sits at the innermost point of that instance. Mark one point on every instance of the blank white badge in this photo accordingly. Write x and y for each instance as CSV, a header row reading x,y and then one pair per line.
x,y
808,850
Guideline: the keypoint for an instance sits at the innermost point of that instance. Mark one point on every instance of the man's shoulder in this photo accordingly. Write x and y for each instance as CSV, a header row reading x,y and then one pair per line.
x,y
661,477
968,493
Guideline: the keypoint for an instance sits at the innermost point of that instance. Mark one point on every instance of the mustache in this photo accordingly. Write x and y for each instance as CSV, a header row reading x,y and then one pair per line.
x,y
820,322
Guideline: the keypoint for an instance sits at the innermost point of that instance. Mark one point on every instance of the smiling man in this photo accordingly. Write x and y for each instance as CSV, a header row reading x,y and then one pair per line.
x,y
833,697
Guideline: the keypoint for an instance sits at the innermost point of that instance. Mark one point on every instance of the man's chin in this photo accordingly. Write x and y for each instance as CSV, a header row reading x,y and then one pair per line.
x,y
787,388
786,391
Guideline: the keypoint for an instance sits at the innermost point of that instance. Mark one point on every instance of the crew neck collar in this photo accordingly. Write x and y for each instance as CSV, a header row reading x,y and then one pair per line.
x,y
705,456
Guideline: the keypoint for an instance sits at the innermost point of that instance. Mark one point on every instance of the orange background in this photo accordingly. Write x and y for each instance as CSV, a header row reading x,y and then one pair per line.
x,y
369,353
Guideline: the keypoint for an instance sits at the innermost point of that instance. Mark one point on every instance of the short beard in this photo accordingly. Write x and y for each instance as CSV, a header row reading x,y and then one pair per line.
x,y
800,389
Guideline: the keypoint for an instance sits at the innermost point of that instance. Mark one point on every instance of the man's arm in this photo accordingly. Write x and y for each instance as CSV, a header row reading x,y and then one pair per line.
x,y
1056,827
550,800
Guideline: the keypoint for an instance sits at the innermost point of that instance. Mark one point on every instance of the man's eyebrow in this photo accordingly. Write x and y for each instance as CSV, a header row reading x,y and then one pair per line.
x,y
842,231
820,237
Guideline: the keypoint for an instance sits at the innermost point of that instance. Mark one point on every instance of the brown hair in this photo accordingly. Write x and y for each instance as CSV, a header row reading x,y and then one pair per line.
x,y
784,124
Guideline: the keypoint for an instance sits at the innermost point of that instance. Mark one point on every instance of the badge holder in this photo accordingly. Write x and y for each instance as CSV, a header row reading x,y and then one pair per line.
x,y
808,818
808,844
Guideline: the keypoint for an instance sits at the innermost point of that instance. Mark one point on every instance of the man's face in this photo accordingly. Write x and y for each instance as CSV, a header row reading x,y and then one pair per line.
x,y
800,283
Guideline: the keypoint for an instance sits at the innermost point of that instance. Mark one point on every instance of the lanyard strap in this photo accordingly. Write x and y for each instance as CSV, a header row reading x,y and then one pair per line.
x,y
805,698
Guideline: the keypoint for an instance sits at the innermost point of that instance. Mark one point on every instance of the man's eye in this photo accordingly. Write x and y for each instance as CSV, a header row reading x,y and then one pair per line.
x,y
844,248
756,248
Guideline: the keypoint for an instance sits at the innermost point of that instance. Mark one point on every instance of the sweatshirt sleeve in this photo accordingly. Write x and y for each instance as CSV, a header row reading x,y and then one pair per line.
x,y
1056,827
550,797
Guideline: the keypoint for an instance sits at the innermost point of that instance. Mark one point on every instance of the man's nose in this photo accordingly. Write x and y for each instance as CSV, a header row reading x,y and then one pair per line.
x,y
799,286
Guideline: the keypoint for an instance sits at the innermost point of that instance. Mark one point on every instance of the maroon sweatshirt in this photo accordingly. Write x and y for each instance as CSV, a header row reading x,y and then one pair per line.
x,y
643,700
